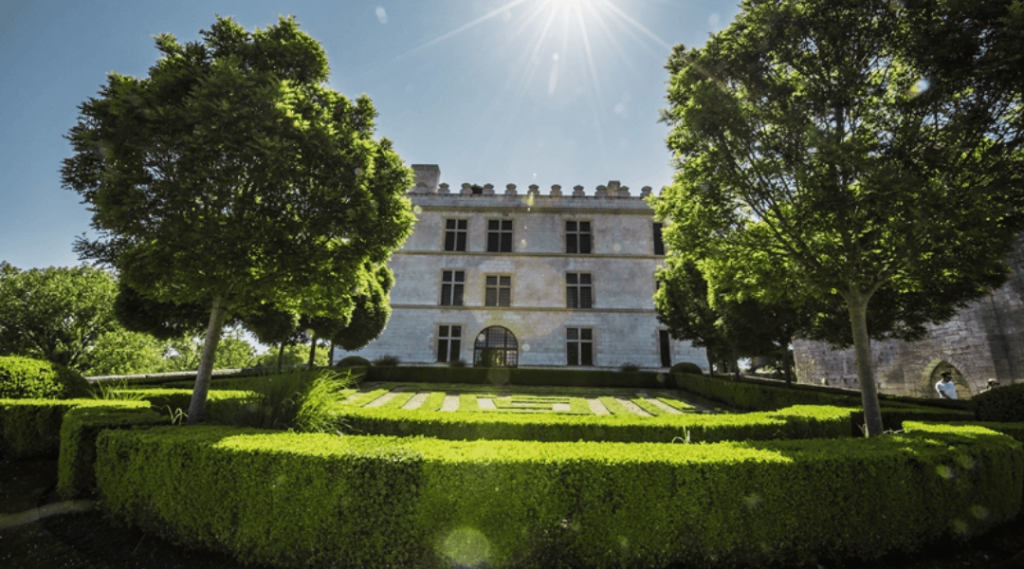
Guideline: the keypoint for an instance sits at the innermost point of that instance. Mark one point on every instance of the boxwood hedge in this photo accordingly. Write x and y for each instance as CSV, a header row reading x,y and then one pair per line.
x,y
370,501
792,423
31,427
78,431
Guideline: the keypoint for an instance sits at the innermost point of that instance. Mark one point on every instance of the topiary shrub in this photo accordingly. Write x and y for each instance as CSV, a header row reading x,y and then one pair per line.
x,y
457,363
386,360
27,378
1002,404
352,361
686,367
629,366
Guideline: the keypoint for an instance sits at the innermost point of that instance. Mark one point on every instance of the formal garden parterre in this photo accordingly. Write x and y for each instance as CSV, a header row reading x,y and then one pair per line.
x,y
539,480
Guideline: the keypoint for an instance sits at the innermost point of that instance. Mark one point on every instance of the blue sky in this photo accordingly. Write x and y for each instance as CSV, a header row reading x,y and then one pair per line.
x,y
493,91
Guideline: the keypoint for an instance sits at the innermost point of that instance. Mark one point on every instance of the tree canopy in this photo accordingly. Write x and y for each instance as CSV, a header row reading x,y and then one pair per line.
x,y
847,156
56,314
233,178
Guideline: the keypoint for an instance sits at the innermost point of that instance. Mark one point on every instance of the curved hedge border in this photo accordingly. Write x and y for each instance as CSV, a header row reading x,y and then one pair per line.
x,y
31,427
800,422
299,500
76,476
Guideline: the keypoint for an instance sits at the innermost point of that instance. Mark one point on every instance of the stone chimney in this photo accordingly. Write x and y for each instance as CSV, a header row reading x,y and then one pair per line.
x,y
427,175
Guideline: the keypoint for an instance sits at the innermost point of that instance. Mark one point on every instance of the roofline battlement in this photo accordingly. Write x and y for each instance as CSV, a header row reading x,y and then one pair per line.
x,y
428,176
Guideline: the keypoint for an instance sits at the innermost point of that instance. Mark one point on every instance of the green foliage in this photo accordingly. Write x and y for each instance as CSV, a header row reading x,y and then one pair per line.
x,y
793,423
303,400
352,361
56,314
1002,404
121,352
686,367
26,378
832,155
386,361
629,366
80,426
233,352
414,501
31,427
293,355
291,211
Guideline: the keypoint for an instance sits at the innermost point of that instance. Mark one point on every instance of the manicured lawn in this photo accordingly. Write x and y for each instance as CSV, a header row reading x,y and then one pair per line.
x,y
462,398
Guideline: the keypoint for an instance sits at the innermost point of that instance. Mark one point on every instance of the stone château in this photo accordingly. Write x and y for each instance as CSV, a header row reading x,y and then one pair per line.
x,y
504,278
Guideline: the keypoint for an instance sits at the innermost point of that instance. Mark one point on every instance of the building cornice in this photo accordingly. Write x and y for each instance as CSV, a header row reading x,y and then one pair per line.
x,y
576,312
550,255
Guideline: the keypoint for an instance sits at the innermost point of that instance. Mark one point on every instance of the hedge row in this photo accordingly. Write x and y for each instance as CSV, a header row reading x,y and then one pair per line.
x,y
520,376
299,500
760,396
28,378
1002,404
792,423
31,427
75,467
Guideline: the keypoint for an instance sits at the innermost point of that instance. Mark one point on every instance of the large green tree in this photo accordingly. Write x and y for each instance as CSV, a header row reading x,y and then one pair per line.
x,y
56,314
867,149
231,176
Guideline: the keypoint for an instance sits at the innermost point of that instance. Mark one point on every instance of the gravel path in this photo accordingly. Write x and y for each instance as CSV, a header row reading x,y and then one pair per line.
x,y
417,400
451,402
632,407
385,398
660,404
597,408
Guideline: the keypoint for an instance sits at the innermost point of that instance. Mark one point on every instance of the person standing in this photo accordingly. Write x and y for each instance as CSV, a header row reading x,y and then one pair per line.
x,y
945,386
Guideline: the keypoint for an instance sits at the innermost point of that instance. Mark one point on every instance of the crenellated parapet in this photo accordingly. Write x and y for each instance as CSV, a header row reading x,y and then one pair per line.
x,y
428,177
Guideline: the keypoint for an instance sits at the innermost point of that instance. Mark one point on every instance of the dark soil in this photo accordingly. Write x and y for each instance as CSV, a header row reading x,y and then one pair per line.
x,y
91,540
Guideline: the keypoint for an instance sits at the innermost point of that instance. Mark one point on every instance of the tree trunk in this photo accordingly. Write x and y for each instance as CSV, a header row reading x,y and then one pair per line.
x,y
312,350
857,304
711,360
206,361
280,356
330,356
787,366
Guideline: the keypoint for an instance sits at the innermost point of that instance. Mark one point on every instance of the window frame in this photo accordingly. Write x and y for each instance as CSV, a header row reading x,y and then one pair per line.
x,y
579,342
574,291
446,333
498,287
658,242
577,233
455,232
502,237
457,290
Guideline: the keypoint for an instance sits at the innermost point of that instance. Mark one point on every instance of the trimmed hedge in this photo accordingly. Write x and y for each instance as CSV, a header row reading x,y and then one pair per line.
x,y
31,427
1002,404
519,376
301,500
792,423
27,378
76,476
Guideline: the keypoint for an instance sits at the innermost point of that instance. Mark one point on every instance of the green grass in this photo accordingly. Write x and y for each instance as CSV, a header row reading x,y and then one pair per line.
x,y
524,399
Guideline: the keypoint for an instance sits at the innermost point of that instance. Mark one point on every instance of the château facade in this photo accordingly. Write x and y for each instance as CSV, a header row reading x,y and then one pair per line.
x,y
502,278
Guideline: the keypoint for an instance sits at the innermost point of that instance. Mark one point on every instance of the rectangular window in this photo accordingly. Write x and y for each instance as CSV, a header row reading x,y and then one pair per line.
x,y
579,346
499,236
659,245
665,347
577,237
452,285
449,342
498,291
578,292
455,234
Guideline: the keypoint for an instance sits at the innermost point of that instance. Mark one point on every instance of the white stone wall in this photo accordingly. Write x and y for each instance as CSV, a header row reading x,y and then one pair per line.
x,y
622,265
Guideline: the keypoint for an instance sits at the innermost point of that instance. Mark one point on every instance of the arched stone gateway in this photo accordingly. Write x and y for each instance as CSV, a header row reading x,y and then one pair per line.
x,y
496,347
932,373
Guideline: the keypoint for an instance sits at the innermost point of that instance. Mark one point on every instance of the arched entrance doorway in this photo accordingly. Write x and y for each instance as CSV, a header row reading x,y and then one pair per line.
x,y
932,373
496,347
